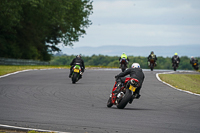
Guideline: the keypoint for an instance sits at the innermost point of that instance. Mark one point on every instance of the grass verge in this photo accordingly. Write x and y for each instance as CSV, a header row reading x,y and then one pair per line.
x,y
188,82
5,69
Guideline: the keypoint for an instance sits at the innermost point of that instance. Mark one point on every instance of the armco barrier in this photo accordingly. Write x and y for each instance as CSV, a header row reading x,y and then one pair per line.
x,y
8,61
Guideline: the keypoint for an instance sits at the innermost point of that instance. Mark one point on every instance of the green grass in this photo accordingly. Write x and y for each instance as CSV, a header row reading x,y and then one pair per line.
x,y
5,69
188,82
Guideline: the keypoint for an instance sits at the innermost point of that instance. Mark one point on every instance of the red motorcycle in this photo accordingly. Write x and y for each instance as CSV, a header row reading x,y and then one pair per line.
x,y
123,63
125,95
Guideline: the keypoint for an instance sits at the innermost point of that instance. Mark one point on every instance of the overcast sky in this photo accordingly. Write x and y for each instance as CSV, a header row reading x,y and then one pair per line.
x,y
143,23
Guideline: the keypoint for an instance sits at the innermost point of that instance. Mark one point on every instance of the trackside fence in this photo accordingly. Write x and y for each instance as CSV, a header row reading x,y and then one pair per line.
x,y
6,61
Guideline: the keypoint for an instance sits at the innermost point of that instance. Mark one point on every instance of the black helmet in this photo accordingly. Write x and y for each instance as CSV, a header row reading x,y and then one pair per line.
x,y
152,52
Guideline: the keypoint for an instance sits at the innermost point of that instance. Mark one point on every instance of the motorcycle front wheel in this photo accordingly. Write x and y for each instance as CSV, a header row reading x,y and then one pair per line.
x,y
151,66
109,103
174,67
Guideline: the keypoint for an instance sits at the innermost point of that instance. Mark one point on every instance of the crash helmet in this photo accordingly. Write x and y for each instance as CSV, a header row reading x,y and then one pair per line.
x,y
135,65
78,56
176,54
152,52
192,57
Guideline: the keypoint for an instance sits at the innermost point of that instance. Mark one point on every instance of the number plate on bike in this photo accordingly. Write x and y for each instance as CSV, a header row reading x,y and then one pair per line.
x,y
76,70
132,88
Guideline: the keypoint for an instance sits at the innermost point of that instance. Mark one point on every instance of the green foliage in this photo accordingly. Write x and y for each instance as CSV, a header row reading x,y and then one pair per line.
x,y
32,29
113,61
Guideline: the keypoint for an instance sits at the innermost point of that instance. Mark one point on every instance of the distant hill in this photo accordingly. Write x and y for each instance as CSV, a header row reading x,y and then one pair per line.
x,y
182,50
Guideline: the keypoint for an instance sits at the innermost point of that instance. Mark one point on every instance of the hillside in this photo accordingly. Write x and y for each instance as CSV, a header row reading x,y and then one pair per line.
x,y
182,50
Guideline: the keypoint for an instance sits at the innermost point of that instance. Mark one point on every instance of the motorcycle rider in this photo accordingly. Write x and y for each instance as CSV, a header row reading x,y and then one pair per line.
x,y
152,56
193,60
76,61
175,58
123,56
135,72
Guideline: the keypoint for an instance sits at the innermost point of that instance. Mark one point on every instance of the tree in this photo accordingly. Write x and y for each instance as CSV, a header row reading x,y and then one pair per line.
x,y
32,29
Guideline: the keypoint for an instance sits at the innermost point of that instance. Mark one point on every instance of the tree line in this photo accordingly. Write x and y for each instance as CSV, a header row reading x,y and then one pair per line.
x,y
32,29
113,61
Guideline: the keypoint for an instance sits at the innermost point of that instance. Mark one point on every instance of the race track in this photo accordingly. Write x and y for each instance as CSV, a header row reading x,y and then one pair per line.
x,y
46,99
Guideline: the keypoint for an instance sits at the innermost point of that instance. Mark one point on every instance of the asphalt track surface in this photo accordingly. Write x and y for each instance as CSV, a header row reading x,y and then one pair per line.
x,y
46,99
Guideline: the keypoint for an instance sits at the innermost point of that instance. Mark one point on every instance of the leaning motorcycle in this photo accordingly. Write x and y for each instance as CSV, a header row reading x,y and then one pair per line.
x,y
195,65
123,63
152,64
175,64
125,95
76,73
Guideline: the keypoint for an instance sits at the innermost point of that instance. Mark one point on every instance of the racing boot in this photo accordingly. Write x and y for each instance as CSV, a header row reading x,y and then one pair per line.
x,y
137,95
70,74
80,76
131,100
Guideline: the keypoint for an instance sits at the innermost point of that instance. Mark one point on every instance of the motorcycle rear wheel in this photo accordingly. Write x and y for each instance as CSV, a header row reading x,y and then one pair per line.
x,y
74,77
123,68
125,100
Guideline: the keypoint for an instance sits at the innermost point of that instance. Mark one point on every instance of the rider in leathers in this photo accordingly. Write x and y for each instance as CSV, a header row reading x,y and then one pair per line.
x,y
77,61
152,56
193,60
175,58
135,72
123,56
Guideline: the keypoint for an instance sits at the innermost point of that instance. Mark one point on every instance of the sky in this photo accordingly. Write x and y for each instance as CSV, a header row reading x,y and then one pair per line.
x,y
143,23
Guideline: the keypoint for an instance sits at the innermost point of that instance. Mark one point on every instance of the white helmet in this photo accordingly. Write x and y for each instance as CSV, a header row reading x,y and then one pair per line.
x,y
135,65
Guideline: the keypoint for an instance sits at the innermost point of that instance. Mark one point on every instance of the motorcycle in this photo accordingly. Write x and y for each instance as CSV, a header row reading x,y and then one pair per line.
x,y
76,74
195,65
175,64
125,95
123,63
152,64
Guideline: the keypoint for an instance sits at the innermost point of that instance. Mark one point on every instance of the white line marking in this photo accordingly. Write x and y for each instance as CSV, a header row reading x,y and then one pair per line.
x,y
30,129
173,86
23,128
23,71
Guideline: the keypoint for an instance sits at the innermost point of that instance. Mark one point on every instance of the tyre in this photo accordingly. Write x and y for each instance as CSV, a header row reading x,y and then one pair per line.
x,y
174,67
196,67
151,66
109,103
125,100
123,68
74,78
